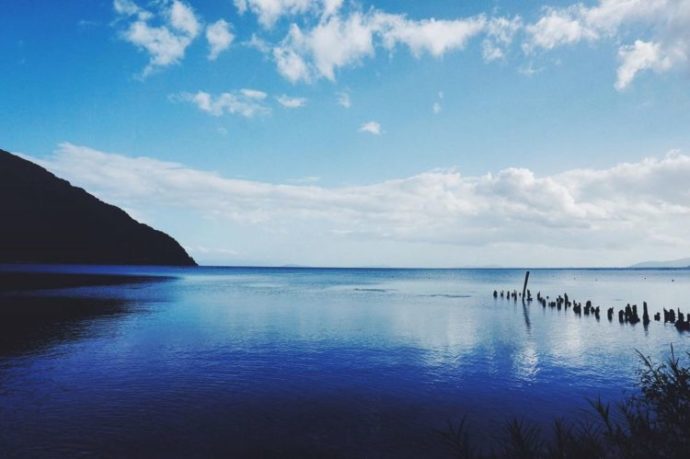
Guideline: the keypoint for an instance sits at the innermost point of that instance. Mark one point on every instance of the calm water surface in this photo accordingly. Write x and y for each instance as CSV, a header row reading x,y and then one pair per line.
x,y
312,362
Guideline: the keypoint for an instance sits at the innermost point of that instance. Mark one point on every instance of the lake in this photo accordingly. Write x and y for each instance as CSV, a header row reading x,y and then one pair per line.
x,y
201,362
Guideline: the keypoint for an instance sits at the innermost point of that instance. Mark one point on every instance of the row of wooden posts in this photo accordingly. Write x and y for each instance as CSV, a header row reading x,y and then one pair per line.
x,y
628,315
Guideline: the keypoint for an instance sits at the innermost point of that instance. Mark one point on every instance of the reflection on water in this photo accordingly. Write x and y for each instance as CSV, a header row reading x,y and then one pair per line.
x,y
310,362
29,324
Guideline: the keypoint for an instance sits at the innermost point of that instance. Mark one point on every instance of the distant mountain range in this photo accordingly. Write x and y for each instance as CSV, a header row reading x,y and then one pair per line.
x,y
44,219
680,263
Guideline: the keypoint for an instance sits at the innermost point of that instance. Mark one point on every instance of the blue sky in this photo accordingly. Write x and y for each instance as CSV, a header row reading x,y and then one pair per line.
x,y
380,111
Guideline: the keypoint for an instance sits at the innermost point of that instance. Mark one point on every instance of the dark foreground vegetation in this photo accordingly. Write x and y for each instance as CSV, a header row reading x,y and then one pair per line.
x,y
655,423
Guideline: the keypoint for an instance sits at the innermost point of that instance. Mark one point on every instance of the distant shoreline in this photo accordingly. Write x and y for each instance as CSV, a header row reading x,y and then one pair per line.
x,y
114,274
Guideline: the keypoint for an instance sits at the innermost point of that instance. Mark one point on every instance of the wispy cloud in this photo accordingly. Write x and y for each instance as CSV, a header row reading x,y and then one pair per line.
x,y
291,102
344,99
371,127
245,102
437,107
269,11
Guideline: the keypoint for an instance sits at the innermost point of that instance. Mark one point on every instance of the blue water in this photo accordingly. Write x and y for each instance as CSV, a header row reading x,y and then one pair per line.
x,y
314,362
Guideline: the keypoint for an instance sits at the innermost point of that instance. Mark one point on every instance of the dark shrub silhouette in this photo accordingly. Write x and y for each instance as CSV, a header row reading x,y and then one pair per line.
x,y
653,424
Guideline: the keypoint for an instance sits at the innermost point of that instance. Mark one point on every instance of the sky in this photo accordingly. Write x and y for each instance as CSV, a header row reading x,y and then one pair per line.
x,y
442,133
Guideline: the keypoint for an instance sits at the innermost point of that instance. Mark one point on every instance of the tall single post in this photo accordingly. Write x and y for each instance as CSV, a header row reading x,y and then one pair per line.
x,y
524,287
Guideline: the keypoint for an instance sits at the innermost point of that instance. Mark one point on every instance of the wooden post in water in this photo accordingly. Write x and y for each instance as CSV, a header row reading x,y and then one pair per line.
x,y
524,287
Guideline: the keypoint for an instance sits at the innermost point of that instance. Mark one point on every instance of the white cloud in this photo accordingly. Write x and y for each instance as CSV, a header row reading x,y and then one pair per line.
x,y
219,38
318,52
270,11
640,205
529,69
165,48
246,102
557,27
371,127
241,6
166,43
129,8
253,94
432,36
345,38
344,99
325,36
291,102
183,19
291,65
491,52
665,23
500,33
437,107
640,56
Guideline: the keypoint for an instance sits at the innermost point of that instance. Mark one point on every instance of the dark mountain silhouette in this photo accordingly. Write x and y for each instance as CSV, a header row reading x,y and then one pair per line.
x,y
44,219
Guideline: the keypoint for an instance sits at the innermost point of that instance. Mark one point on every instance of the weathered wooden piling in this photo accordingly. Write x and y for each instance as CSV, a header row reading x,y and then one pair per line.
x,y
524,286
628,314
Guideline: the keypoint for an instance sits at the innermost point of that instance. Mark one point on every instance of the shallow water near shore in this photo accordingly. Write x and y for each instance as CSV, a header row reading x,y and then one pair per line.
x,y
311,362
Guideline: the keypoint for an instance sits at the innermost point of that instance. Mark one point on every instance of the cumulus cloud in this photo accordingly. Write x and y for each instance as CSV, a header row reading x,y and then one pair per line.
x,y
640,204
432,36
318,52
291,102
219,38
345,38
165,43
664,22
555,28
183,19
371,127
640,56
245,102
